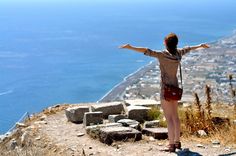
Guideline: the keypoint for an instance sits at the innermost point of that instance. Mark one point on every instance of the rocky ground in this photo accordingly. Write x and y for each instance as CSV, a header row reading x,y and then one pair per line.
x,y
50,133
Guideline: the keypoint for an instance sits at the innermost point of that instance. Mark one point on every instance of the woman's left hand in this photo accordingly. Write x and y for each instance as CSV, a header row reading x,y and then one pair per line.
x,y
204,45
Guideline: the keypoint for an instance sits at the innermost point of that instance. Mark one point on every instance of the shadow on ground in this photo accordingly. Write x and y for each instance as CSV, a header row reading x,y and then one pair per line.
x,y
229,154
187,153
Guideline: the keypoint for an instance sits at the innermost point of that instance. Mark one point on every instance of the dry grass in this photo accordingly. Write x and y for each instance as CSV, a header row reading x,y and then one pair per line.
x,y
155,114
214,119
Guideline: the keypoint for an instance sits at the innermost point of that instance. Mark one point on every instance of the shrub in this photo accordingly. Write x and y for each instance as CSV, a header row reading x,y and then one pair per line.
x,y
154,113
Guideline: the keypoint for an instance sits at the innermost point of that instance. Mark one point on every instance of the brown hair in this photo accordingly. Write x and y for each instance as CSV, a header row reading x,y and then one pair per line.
x,y
171,41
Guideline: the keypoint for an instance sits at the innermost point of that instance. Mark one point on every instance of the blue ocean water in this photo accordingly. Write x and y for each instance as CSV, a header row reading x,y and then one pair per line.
x,y
67,51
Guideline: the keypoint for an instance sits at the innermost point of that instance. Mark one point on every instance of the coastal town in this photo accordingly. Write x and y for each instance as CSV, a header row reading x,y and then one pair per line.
x,y
203,67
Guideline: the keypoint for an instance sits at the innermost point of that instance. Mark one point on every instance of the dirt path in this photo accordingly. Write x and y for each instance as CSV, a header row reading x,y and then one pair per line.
x,y
64,135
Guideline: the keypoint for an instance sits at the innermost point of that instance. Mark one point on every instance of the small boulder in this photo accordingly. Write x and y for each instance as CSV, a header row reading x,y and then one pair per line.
x,y
2,138
94,130
20,125
138,113
76,114
142,102
215,142
200,146
24,138
13,144
130,123
110,134
151,124
116,117
157,133
80,134
92,118
201,133
108,108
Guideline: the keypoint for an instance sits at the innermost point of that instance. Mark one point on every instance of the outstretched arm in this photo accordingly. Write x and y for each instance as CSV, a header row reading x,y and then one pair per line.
x,y
146,51
137,49
186,50
199,46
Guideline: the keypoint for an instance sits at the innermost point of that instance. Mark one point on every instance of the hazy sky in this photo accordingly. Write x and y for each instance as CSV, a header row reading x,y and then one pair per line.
x,y
56,2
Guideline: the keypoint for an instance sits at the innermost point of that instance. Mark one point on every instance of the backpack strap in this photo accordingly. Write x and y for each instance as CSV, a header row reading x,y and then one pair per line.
x,y
180,71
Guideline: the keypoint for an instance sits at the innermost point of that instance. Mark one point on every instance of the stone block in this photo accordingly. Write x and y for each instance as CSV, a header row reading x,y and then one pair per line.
x,y
142,102
157,133
92,118
138,113
151,124
76,114
130,123
115,118
108,108
110,134
94,130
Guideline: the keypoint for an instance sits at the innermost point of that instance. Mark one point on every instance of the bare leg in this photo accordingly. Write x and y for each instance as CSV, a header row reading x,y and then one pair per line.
x,y
170,109
167,108
175,117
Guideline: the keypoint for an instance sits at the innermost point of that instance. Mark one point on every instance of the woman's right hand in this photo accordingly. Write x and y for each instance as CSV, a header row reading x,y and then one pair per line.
x,y
125,46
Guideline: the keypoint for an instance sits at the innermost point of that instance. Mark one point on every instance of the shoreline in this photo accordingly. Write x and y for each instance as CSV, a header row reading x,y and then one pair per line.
x,y
221,44
118,89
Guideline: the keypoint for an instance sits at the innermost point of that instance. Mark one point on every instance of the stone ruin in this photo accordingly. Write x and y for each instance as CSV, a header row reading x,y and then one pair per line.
x,y
117,121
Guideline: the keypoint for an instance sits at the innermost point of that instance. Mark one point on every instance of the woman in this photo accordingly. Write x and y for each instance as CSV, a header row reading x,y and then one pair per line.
x,y
169,61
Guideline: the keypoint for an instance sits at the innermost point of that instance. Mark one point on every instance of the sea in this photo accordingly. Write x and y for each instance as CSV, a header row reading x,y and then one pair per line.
x,y
67,51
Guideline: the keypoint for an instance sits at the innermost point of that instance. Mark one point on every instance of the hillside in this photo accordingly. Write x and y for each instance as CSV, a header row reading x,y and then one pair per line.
x,y
50,133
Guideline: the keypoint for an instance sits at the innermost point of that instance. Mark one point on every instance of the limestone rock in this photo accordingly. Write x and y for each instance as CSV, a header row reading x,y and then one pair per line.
x,y
116,117
108,108
92,118
20,125
151,139
201,133
42,118
130,123
157,133
109,134
234,122
151,124
138,113
142,102
94,130
200,146
215,142
40,122
76,114
13,144
80,134
24,138
2,138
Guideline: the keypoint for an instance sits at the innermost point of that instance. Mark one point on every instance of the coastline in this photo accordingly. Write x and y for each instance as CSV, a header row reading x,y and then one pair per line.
x,y
118,89
197,72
